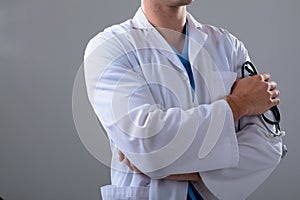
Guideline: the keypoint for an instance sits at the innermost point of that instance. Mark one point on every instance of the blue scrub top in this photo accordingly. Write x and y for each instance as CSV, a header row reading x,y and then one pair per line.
x,y
184,58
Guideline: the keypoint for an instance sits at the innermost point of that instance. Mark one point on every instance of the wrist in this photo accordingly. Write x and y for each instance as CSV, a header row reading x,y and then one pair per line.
x,y
184,177
238,110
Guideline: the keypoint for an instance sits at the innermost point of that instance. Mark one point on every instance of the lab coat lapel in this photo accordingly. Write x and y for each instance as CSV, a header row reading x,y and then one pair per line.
x,y
165,49
197,38
203,63
140,21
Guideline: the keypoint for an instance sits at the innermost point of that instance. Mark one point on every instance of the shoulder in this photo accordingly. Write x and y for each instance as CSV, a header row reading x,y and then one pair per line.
x,y
224,46
108,36
217,36
224,39
220,35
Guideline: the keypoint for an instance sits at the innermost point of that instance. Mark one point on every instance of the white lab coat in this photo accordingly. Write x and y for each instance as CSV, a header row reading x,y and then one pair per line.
x,y
141,93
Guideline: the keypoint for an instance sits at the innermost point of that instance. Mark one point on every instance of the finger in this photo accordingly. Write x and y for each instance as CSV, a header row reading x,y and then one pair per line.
x,y
275,94
131,166
135,169
128,163
121,155
275,101
265,76
272,85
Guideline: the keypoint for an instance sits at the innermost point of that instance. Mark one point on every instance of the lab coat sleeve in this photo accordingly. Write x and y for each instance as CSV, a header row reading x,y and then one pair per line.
x,y
258,157
159,141
258,154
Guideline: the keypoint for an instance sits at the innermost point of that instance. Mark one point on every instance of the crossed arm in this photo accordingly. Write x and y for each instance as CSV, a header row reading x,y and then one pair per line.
x,y
249,96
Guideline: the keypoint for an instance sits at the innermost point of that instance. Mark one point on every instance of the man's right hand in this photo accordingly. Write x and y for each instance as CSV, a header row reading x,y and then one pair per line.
x,y
253,95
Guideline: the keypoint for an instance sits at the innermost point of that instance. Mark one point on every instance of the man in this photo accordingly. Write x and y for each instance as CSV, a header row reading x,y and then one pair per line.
x,y
165,89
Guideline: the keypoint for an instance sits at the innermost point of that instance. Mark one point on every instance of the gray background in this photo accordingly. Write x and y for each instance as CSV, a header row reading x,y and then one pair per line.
x,y
41,49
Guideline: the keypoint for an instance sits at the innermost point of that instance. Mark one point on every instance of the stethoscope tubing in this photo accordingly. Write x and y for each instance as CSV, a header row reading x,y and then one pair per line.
x,y
275,111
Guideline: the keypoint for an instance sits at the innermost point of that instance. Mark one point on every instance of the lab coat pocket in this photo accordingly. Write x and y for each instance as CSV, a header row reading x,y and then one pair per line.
x,y
228,80
112,192
221,84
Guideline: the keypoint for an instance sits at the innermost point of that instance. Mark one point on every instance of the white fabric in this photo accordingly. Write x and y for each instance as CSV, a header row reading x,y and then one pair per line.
x,y
140,91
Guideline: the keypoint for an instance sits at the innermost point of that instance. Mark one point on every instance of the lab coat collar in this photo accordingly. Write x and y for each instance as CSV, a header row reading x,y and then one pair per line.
x,y
197,37
196,32
140,21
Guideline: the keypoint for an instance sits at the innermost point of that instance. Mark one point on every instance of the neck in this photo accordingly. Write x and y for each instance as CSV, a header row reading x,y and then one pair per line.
x,y
165,16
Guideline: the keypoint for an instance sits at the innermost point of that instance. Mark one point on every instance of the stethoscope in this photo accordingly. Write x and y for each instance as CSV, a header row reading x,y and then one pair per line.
x,y
251,69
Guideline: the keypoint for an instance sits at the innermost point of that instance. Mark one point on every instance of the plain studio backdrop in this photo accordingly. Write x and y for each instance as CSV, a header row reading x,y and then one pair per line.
x,y
41,49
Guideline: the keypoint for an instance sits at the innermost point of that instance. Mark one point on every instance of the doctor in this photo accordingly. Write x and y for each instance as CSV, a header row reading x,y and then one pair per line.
x,y
166,90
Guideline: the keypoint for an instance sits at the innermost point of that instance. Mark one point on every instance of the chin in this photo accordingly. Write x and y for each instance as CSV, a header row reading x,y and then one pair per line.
x,y
187,2
180,2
